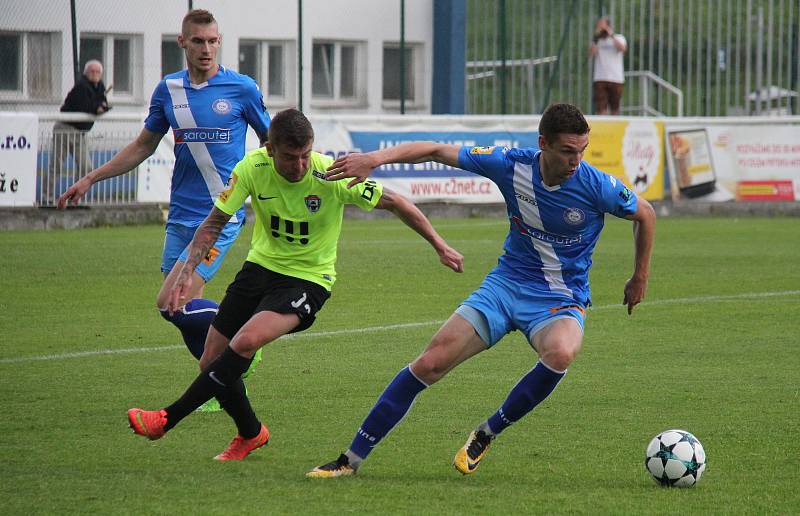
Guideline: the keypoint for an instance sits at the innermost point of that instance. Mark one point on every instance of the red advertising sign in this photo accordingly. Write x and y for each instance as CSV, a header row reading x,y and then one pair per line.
x,y
765,191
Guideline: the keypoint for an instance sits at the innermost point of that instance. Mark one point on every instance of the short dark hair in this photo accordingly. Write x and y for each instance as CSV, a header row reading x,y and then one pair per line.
x,y
196,17
290,127
562,119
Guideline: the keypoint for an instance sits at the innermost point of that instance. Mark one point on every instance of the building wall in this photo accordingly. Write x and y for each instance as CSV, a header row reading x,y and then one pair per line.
x,y
370,24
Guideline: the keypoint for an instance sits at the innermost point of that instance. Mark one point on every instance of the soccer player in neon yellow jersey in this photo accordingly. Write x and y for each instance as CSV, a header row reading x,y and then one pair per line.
x,y
288,273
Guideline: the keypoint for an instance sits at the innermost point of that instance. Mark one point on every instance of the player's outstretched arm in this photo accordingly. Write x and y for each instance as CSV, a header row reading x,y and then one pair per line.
x,y
644,232
360,166
204,239
124,161
406,211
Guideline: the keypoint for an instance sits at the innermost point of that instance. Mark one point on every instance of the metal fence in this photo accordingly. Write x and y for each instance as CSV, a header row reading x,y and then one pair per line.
x,y
726,57
65,155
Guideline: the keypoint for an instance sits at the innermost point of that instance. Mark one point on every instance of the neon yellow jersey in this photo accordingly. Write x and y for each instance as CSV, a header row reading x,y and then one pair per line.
x,y
297,224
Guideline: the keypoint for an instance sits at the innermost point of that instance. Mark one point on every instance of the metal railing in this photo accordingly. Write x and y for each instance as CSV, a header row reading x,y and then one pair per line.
x,y
723,54
66,154
643,95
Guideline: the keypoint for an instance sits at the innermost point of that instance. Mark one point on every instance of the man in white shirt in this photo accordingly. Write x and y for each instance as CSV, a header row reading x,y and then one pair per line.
x,y
607,49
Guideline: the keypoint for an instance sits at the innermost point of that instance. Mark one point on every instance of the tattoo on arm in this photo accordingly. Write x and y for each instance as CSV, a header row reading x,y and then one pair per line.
x,y
206,236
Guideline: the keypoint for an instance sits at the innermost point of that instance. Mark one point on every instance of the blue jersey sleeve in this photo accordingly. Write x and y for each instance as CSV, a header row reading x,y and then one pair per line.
x,y
616,198
156,120
489,162
255,112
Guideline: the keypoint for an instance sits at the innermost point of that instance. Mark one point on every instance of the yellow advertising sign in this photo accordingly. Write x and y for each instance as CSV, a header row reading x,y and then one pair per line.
x,y
631,151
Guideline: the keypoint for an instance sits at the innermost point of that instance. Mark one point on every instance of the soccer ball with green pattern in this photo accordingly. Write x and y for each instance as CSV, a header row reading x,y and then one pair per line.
x,y
675,458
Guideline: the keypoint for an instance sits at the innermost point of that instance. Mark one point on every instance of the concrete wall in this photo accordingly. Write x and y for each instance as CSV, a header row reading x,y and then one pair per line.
x,y
17,219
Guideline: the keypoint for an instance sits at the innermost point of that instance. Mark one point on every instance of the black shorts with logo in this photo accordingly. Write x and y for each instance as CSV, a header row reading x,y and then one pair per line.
x,y
257,289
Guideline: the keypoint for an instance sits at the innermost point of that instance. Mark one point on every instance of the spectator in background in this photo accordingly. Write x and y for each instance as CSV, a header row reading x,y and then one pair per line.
x,y
69,138
607,49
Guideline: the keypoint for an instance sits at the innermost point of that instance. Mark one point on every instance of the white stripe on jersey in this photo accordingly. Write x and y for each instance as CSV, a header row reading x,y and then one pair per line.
x,y
199,151
551,265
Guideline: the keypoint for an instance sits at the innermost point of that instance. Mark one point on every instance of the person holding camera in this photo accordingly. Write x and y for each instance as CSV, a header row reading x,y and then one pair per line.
x,y
607,49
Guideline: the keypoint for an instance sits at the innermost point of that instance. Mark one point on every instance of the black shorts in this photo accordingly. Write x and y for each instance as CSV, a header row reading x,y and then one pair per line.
x,y
257,289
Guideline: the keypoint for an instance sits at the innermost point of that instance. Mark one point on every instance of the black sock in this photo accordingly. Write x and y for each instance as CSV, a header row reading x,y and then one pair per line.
x,y
235,403
223,372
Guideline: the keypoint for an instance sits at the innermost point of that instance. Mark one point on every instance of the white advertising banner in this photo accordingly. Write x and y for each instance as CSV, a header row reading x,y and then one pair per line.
x,y
19,142
155,173
706,160
427,182
759,162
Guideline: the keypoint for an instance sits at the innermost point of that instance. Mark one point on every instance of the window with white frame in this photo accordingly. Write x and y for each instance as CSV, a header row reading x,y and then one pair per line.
x,y
412,67
118,53
172,56
335,71
27,61
268,64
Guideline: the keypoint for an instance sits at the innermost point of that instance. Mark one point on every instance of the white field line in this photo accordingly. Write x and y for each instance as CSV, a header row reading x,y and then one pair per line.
x,y
400,326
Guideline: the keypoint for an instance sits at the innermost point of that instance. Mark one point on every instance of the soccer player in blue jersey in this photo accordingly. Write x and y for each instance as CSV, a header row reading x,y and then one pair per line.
x,y
556,205
208,108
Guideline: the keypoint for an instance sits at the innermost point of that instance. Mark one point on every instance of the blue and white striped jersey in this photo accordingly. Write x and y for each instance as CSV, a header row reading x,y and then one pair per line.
x,y
209,122
553,229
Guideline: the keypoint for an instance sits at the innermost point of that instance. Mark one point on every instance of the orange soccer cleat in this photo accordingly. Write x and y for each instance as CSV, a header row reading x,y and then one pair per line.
x,y
148,423
241,447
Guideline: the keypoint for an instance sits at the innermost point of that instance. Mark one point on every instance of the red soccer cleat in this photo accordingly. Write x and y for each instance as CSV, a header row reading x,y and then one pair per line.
x,y
149,423
241,447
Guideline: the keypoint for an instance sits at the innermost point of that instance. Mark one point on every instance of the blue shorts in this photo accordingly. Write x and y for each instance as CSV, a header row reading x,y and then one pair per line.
x,y
501,305
176,247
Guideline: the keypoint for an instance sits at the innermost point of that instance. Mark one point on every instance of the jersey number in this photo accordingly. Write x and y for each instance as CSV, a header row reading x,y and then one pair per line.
x,y
289,225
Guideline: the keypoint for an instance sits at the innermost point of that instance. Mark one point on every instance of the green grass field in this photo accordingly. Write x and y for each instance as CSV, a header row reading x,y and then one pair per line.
x,y
715,349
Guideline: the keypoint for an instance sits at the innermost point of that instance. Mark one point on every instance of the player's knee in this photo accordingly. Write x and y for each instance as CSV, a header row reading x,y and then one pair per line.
x,y
208,356
161,301
246,343
429,368
559,356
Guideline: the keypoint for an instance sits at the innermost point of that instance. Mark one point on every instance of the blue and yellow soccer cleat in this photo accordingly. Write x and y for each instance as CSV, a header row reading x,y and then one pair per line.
x,y
469,456
338,468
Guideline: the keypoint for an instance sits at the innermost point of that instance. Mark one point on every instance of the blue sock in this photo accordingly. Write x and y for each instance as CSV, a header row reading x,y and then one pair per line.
x,y
194,320
531,390
393,404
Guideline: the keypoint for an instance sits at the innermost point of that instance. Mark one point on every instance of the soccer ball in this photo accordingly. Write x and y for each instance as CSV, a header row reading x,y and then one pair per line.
x,y
675,458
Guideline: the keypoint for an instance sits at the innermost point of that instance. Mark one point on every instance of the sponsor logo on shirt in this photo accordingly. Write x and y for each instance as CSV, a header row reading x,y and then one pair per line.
x,y
369,189
482,150
202,135
313,203
525,198
221,106
229,187
574,216
544,236
625,194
